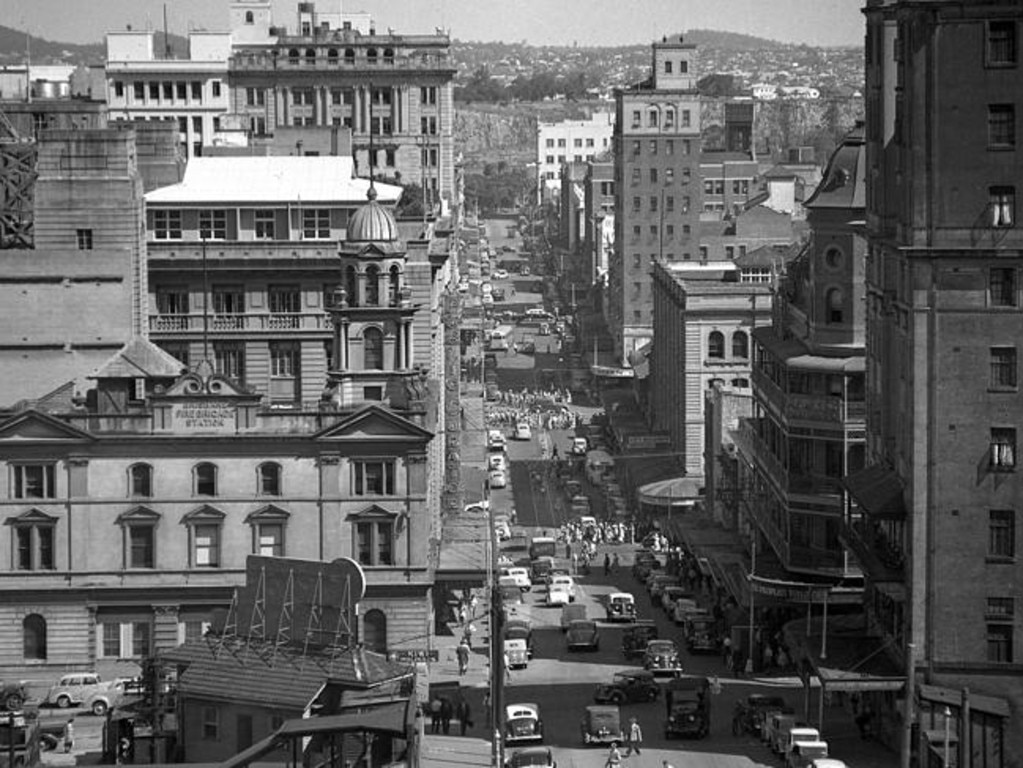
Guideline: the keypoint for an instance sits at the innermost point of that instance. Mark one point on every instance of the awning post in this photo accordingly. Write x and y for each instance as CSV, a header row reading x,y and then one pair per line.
x,y
824,629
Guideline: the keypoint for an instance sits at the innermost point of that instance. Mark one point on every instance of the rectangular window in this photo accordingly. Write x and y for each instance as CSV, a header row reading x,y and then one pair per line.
x,y
1003,206
636,118
373,540
669,231
561,142
206,546
999,643
265,219
181,90
255,97
154,91
669,175
1003,449
119,89
284,299
315,223
652,118
373,478
636,148
34,481
139,91
550,143
172,300
270,539
669,203
578,143
636,204
550,159
228,300
168,91
284,359
653,175
653,146
34,547
167,225
1001,533
141,639
589,142
1002,286
213,225
196,91
1001,43
669,147
84,238
142,550
1003,367
687,147
1001,126
637,175
428,95
229,360
1000,608
211,723
111,640
686,118
667,67
635,230
683,66
653,203
216,88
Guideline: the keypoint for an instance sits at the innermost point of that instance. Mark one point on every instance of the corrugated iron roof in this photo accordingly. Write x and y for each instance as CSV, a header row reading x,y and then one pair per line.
x,y
139,358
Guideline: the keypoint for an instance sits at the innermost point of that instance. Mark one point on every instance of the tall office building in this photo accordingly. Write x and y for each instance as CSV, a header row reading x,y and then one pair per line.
x,y
657,187
942,502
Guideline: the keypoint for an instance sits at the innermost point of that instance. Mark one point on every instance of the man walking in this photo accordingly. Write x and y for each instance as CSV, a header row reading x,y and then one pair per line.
x,y
635,737
614,757
463,651
464,715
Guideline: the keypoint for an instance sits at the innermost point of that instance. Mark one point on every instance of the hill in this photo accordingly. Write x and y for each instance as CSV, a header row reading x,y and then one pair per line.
x,y
13,48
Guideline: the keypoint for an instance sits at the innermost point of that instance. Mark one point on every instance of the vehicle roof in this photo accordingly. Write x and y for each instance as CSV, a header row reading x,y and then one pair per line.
x,y
517,569
815,744
603,709
560,578
620,596
579,623
828,762
635,673
543,539
524,708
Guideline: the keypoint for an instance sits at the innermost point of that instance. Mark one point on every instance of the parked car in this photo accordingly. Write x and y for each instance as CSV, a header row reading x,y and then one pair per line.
x,y
496,440
497,478
522,723
521,576
672,593
659,583
636,638
502,530
661,657
497,461
602,724
13,695
582,634
791,736
701,633
565,582
531,757
500,274
520,629
86,689
621,606
515,653
683,608
803,753
523,431
572,612
627,687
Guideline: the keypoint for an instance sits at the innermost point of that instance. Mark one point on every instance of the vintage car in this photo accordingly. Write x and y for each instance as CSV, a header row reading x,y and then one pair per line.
x,y
86,689
496,441
621,606
627,687
644,563
682,608
553,573
661,657
566,583
521,576
520,629
687,704
658,584
602,724
572,612
511,595
582,635
522,723
13,695
531,757
558,594
750,714
515,653
804,753
672,593
636,637
540,567
701,633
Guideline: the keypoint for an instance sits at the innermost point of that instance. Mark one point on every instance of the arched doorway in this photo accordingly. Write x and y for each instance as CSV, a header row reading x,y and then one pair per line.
x,y
33,633
374,631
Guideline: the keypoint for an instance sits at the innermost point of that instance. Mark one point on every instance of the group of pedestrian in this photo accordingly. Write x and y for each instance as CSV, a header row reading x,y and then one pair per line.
x,y
442,712
633,744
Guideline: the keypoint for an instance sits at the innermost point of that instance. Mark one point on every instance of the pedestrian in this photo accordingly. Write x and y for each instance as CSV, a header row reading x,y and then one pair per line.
x,y
568,550
463,651
486,706
464,715
715,685
726,652
507,667
463,615
614,757
473,604
615,563
467,634
607,563
635,737
575,562
69,734
435,708
446,713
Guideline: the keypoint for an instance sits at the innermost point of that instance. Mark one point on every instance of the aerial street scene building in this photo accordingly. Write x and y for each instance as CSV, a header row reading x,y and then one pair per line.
x,y
418,385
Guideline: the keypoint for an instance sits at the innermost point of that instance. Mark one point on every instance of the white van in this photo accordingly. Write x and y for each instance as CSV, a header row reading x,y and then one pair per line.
x,y
500,338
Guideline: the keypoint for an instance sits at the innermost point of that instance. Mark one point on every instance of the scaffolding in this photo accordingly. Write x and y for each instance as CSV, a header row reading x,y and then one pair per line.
x,y
17,184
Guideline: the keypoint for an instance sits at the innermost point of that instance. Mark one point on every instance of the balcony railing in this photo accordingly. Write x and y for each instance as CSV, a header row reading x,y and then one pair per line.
x,y
883,559
249,322
800,407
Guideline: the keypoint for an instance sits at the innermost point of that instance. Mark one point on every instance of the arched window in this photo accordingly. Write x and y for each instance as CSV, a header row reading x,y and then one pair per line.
x,y
352,286
349,56
293,56
332,55
374,631
310,56
371,54
140,478
716,345
249,17
269,479
394,286
373,349
205,479
833,301
388,55
33,636
372,286
740,344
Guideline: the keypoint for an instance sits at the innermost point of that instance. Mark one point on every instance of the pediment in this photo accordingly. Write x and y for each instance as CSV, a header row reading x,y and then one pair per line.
x,y
211,385
35,427
138,515
205,513
267,513
372,512
31,517
374,422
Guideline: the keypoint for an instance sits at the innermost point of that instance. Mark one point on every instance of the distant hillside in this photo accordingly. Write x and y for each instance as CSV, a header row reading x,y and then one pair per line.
x,y
13,49
730,41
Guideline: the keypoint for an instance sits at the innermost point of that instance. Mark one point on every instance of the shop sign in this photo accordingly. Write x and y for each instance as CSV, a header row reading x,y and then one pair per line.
x,y
203,416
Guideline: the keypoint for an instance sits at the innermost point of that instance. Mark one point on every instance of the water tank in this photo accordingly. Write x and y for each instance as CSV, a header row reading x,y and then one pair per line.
x,y
45,89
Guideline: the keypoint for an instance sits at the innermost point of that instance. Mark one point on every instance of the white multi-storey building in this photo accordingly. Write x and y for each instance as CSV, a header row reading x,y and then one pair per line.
x,y
569,141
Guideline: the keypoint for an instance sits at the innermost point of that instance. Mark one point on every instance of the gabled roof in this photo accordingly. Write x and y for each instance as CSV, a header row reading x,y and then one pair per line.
x,y
374,422
271,179
139,358
32,426
768,256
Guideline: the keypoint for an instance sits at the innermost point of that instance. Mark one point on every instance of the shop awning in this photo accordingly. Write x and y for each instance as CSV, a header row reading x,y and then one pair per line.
x,y
675,491
844,680
878,491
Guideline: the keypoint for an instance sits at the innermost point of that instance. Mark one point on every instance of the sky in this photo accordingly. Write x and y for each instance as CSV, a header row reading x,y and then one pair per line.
x,y
538,22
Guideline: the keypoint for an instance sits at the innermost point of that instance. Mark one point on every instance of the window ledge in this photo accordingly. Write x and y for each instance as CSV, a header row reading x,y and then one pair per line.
x,y
999,560
1002,389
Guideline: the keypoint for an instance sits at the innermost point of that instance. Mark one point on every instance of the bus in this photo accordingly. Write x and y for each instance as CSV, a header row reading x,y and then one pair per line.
x,y
500,338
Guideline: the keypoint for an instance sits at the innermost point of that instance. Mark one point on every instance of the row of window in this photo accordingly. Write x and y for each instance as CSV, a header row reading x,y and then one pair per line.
x,y
308,56
653,232
654,204
550,159
656,117
32,541
165,92
578,143
716,345
685,146
167,224
654,175
717,186
38,481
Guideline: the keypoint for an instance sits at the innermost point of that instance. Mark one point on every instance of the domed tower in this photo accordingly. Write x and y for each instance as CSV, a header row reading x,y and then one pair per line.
x,y
373,314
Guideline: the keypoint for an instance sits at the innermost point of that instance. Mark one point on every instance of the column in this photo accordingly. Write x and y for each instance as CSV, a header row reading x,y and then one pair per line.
x,y
284,118
407,335
406,110
324,106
